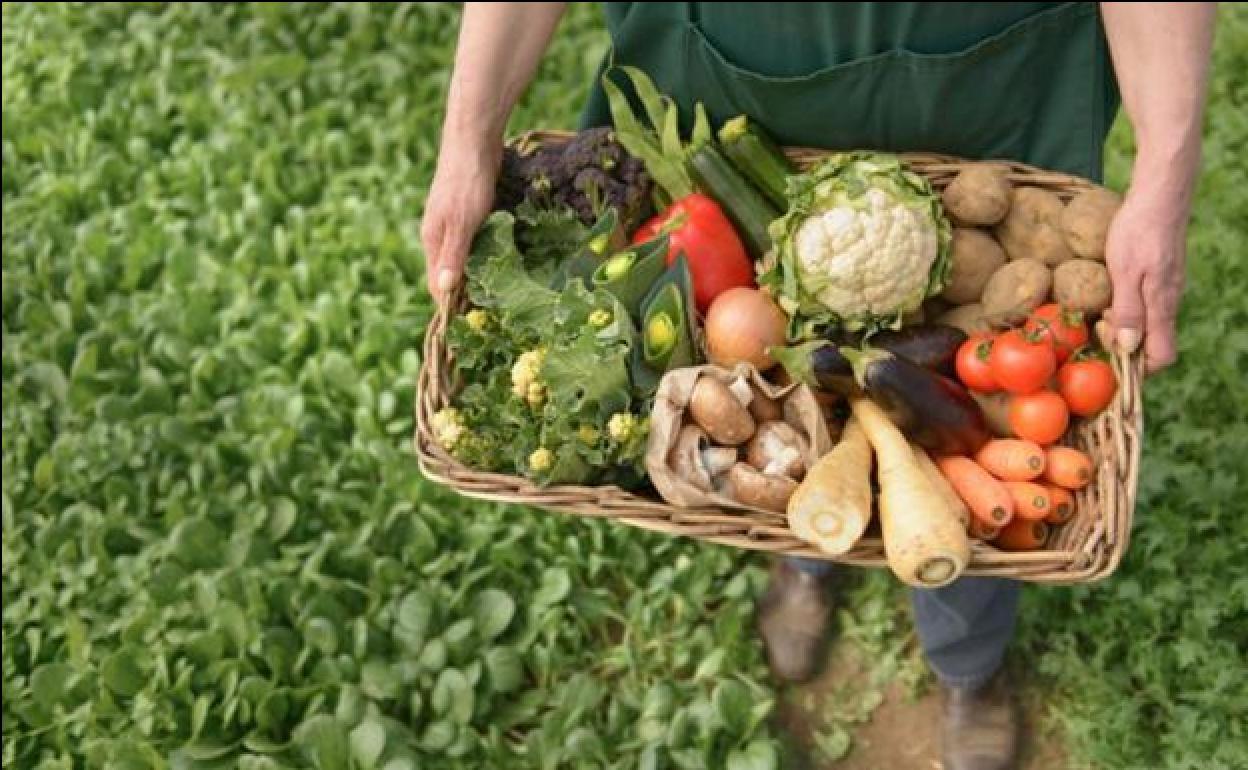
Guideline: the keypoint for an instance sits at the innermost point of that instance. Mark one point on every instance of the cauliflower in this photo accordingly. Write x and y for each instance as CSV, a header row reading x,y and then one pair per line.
x,y
541,459
588,434
448,427
525,370
599,318
864,243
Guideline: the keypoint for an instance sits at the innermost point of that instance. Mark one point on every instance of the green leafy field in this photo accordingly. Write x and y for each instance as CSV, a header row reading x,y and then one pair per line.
x,y
218,551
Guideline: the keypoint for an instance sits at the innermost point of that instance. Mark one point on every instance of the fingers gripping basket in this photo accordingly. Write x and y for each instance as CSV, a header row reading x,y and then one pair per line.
x,y
1088,547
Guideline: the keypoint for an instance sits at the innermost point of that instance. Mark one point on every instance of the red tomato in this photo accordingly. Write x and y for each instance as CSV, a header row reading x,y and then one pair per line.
x,y
1041,417
1021,363
1064,329
972,364
1087,386
717,259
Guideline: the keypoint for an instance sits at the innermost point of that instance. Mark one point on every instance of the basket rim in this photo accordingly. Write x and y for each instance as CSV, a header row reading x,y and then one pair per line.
x,y
1089,548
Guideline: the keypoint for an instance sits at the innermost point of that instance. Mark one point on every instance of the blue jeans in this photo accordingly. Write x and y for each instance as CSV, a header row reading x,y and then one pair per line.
x,y
964,627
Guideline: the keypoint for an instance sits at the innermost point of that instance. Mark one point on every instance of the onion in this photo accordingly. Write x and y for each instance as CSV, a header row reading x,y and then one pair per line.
x,y
740,325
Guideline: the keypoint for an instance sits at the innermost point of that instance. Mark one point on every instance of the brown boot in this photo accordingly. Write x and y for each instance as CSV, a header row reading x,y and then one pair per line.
x,y
981,727
793,615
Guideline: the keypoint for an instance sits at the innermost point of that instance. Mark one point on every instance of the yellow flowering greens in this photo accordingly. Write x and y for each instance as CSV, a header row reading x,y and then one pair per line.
x,y
545,370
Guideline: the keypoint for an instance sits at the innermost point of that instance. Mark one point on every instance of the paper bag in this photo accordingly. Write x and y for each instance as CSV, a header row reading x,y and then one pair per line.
x,y
801,412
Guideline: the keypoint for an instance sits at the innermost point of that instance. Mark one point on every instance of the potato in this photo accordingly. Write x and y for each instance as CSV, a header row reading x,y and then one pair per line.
x,y
1033,227
978,195
976,256
1086,220
1082,284
968,318
1016,289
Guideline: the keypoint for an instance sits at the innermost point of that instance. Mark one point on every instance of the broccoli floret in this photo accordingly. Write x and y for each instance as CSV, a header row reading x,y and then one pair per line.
x,y
586,175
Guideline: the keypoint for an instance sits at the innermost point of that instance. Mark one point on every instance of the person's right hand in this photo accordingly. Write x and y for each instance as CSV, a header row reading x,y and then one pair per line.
x,y
459,199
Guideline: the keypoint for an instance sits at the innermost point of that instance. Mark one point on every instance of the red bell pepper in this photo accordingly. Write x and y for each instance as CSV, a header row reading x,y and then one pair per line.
x,y
696,225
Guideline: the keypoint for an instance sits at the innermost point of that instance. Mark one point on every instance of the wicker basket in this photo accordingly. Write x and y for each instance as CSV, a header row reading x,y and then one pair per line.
x,y
1088,547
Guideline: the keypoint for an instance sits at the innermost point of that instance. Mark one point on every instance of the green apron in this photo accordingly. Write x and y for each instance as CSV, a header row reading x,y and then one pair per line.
x,y
1030,82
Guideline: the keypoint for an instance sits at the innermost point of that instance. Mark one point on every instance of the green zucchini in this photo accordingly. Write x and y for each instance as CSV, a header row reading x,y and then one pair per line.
x,y
758,158
748,209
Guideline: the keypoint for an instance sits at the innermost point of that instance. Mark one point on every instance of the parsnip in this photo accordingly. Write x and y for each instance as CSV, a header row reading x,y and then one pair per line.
x,y
832,506
946,490
925,544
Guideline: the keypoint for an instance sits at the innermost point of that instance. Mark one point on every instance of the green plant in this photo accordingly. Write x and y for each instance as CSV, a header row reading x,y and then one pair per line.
x,y
218,550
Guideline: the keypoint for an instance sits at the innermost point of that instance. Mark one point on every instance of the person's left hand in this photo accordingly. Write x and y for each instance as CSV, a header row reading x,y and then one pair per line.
x,y
1146,255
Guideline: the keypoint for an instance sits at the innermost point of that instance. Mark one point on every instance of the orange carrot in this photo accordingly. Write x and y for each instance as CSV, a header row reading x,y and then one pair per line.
x,y
1031,500
1012,459
1022,535
989,502
1062,506
982,531
1067,467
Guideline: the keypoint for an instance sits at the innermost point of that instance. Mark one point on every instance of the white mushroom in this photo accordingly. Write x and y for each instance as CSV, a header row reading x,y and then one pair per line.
x,y
718,460
686,457
778,449
695,460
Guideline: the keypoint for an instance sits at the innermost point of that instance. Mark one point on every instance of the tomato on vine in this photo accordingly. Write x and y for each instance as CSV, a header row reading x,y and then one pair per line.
x,y
1087,385
1064,329
1021,363
972,364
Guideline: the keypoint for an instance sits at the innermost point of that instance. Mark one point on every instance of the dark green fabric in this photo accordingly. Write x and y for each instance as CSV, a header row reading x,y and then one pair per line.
x,y
1025,81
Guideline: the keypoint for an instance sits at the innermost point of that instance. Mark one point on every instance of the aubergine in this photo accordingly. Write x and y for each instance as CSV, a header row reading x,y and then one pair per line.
x,y
818,364
931,346
932,410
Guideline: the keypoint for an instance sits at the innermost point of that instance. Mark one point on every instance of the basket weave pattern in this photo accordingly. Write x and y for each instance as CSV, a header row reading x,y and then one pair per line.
x,y
1088,547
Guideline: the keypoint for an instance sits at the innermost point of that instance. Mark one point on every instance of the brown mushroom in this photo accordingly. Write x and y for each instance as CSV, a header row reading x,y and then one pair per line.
x,y
749,487
778,448
718,412
764,408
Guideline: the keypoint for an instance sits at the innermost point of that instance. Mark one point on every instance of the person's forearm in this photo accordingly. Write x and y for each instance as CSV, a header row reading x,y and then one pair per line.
x,y
1161,57
500,45
1161,54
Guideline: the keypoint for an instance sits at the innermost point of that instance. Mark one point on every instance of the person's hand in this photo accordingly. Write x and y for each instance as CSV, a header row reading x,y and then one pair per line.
x,y
459,199
1146,256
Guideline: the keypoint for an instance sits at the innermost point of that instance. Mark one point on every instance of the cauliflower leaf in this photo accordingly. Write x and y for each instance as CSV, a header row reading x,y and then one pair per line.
x,y
542,368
